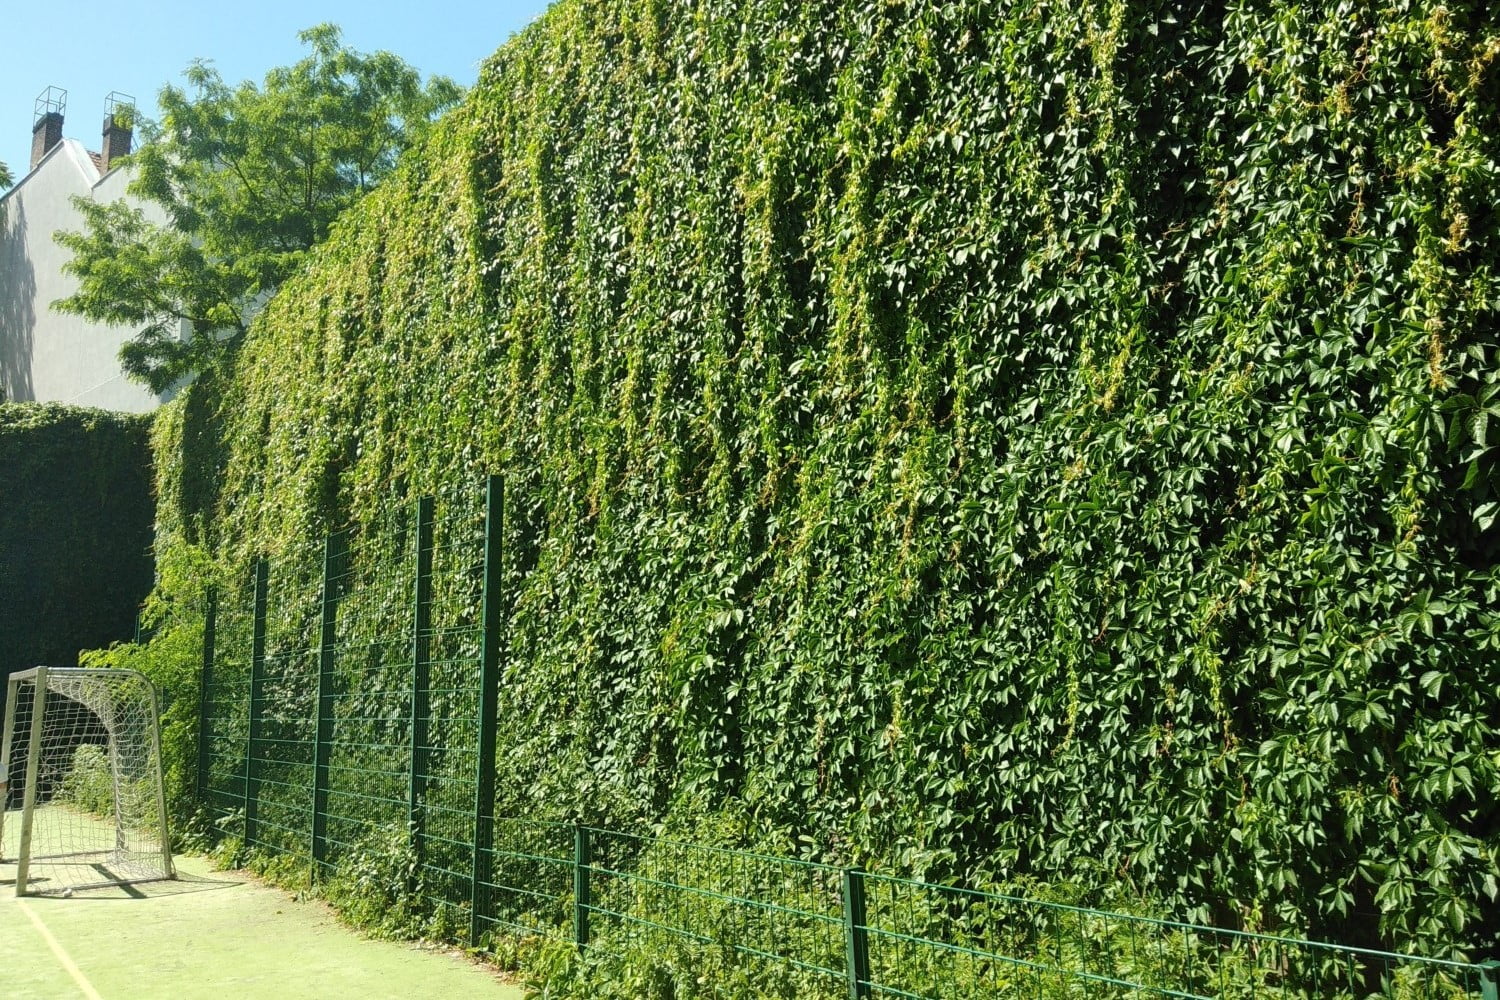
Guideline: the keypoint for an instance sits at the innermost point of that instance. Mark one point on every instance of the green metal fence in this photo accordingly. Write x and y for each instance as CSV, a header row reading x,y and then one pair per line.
x,y
350,688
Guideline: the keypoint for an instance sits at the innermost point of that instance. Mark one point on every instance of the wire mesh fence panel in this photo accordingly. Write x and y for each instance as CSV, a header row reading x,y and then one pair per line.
x,y
371,582
929,942
780,919
935,943
281,762
226,700
531,887
447,760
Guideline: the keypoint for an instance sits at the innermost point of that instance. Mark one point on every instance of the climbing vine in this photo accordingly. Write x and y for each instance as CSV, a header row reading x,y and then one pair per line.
x,y
964,438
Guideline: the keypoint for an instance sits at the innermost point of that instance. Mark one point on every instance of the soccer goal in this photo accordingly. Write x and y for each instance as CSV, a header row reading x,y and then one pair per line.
x,y
81,781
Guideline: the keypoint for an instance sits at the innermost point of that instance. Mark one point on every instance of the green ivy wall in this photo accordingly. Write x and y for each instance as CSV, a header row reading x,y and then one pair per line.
x,y
75,531
977,440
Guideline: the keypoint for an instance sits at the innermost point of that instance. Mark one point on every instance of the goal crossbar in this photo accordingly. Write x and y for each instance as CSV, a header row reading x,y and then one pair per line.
x,y
85,745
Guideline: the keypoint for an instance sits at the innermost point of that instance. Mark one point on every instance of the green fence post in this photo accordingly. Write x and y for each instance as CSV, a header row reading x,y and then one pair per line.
x,y
335,550
205,692
1489,980
583,859
421,654
489,693
856,935
257,683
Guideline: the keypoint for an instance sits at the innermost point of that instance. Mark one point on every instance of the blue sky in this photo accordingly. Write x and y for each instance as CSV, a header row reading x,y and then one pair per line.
x,y
89,48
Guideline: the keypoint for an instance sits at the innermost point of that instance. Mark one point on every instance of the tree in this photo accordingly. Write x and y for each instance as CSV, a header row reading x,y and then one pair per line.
x,y
250,178
5,178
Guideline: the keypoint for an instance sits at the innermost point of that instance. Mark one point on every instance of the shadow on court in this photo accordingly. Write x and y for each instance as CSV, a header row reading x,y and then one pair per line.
x,y
184,883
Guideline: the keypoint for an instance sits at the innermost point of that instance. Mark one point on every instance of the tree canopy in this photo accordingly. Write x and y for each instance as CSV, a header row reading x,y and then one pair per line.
x,y
250,178
5,178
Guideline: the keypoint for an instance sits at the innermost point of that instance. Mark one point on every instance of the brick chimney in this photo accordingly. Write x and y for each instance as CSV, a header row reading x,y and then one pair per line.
x,y
119,126
46,133
47,123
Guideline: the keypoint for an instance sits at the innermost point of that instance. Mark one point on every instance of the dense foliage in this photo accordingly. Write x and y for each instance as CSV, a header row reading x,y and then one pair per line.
x,y
975,440
88,783
250,177
75,533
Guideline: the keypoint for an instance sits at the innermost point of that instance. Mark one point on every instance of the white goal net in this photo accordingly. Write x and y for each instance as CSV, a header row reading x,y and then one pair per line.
x,y
81,781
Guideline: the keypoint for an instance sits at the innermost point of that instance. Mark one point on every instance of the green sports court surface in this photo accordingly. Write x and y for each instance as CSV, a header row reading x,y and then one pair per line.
x,y
218,935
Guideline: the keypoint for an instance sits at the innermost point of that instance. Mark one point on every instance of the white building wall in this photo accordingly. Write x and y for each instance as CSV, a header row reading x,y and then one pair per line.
x,y
46,355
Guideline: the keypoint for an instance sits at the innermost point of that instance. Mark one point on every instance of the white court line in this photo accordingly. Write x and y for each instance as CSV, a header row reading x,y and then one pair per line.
x,y
62,956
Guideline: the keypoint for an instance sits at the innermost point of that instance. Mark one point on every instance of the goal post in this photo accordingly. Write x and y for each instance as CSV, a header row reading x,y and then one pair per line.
x,y
82,799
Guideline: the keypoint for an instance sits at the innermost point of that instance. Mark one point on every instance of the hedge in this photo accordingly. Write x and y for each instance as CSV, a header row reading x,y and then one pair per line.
x,y
76,516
